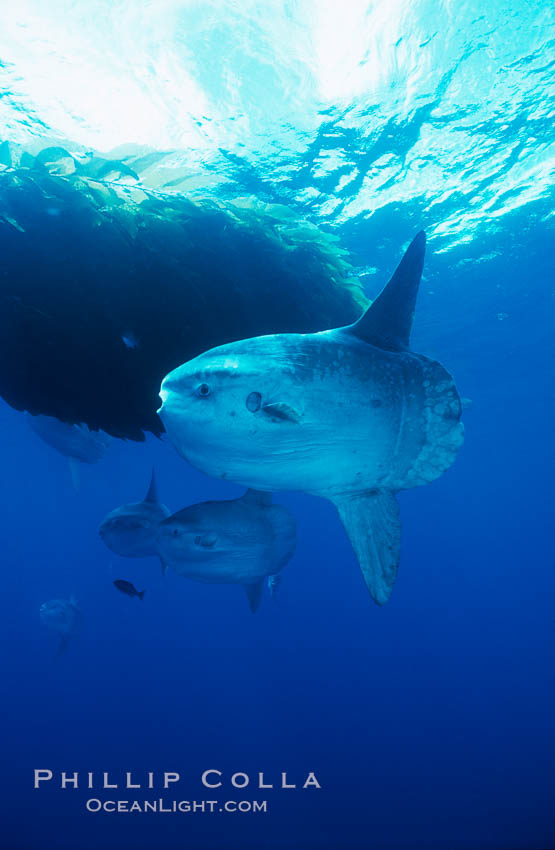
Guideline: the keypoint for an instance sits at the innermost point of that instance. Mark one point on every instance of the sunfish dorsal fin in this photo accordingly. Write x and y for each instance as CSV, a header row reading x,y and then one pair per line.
x,y
388,320
372,523
152,494
259,497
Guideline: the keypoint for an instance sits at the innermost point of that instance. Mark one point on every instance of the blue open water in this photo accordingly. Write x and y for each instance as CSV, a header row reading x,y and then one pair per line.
x,y
429,722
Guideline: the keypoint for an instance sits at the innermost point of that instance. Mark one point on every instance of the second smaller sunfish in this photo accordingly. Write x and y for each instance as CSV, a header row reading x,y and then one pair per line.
x,y
128,588
131,529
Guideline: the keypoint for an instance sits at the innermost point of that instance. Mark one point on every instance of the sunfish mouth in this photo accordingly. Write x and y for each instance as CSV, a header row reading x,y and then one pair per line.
x,y
164,395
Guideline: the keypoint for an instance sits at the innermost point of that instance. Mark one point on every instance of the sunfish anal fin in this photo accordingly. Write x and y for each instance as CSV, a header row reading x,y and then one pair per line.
x,y
254,594
372,523
387,322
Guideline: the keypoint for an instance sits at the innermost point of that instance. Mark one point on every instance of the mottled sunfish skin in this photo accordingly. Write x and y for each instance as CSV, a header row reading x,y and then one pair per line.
x,y
130,530
349,414
76,442
241,541
63,617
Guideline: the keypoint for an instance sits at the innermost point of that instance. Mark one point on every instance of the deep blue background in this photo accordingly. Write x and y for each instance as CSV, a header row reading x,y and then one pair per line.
x,y
429,722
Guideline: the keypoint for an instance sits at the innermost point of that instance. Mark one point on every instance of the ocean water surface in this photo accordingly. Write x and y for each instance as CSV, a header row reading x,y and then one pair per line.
x,y
428,722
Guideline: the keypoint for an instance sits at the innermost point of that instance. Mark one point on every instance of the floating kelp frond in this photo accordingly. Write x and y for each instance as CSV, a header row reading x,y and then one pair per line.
x,y
89,263
113,182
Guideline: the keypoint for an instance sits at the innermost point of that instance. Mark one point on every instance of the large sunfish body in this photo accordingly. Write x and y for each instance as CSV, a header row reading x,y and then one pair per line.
x,y
131,529
241,541
348,414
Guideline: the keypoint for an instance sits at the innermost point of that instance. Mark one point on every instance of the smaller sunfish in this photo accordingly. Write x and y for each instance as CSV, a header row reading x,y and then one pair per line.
x,y
128,588
76,442
63,617
131,529
241,541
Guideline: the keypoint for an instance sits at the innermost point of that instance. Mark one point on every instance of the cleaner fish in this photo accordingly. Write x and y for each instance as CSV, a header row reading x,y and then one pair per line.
x,y
129,589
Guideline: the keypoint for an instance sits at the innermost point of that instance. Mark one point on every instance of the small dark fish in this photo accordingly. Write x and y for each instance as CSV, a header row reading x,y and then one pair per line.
x,y
129,589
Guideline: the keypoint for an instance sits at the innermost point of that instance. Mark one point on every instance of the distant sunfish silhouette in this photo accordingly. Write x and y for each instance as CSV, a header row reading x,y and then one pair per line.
x,y
63,617
348,414
76,442
130,530
241,541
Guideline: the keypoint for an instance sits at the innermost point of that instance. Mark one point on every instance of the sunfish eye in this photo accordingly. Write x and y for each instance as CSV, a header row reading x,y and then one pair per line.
x,y
203,390
254,400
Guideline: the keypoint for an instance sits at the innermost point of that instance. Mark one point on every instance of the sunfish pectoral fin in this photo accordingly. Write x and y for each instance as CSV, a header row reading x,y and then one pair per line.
x,y
281,412
254,594
75,472
372,523
388,320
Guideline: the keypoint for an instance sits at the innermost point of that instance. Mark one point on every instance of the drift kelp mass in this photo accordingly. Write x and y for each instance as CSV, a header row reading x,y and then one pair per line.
x,y
106,288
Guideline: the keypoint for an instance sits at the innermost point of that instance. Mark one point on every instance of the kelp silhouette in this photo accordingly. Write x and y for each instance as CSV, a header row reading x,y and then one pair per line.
x,y
105,287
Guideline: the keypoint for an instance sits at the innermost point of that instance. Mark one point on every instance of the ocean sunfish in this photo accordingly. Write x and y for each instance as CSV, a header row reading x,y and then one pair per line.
x,y
350,414
240,541
63,617
78,442
130,530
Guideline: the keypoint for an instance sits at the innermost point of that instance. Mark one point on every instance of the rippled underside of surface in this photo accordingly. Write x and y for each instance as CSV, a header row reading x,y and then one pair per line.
x,y
438,110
